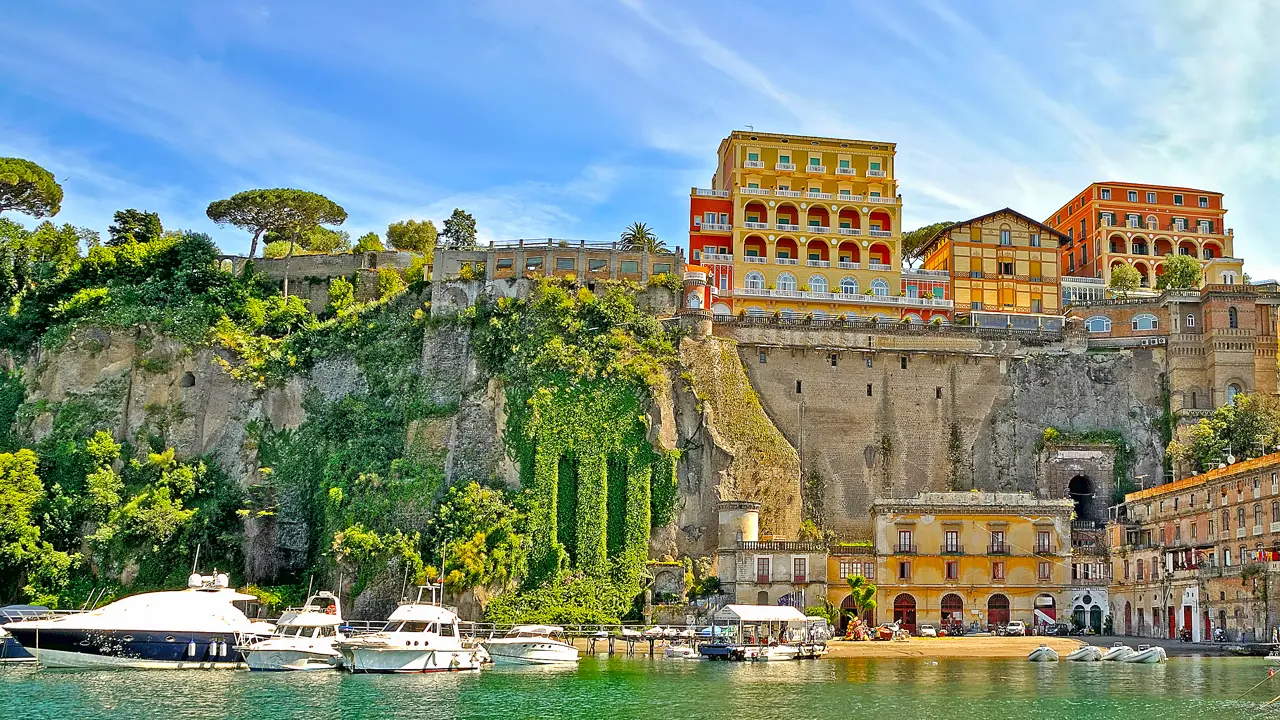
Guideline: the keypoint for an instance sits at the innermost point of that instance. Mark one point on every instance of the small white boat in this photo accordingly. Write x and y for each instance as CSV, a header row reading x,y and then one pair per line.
x,y
1274,657
1085,653
419,637
682,652
781,651
1117,652
532,645
1147,654
1044,653
303,640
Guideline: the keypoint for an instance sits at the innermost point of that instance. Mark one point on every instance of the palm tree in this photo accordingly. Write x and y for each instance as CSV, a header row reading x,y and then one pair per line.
x,y
641,238
863,593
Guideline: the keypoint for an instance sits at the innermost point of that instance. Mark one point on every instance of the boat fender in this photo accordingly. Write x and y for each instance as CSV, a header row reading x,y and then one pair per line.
x,y
453,662
191,649
222,649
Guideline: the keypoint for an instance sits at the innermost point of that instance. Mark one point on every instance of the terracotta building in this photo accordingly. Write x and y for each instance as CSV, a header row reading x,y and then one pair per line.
x,y
1110,223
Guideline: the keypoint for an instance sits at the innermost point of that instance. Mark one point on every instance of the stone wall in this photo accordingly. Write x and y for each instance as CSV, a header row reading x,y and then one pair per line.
x,y
873,416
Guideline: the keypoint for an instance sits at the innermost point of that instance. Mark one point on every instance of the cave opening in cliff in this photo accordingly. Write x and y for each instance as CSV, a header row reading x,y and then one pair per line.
x,y
1081,491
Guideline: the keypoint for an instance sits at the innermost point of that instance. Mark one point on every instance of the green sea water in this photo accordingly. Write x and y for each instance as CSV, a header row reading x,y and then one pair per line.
x,y
1183,689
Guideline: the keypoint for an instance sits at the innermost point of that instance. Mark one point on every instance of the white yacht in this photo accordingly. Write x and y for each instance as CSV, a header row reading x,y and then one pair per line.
x,y
419,637
303,639
1085,653
1147,654
1117,652
199,627
1044,653
532,645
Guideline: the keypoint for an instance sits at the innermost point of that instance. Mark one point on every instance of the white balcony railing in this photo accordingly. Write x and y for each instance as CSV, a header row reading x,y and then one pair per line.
x,y
848,197
705,192
784,167
753,225
849,231
815,168
881,199
853,172
754,191
787,261
877,173
927,273
880,233
787,193
756,259
716,227
818,195
818,263
819,229
879,267
849,265
846,297
753,164
716,258
783,227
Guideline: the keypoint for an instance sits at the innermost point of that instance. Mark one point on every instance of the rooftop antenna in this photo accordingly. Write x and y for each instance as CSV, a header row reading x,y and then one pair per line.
x,y
752,128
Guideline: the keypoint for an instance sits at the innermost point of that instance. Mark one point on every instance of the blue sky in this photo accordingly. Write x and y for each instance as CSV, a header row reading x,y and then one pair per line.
x,y
573,119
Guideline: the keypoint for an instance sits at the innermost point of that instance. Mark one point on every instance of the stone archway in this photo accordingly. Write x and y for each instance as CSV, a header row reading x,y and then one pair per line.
x,y
998,610
1083,493
904,612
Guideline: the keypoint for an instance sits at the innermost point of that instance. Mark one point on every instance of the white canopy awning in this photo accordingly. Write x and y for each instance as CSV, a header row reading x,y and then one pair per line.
x,y
759,614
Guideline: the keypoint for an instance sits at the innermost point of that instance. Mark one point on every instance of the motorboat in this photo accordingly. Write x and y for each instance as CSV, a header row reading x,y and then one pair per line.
x,y
781,651
1044,653
1085,653
199,627
1274,656
532,645
419,637
682,652
1147,654
1117,652
303,639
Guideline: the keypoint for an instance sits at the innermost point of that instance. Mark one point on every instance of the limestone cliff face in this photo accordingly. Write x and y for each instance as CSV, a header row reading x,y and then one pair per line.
x,y
732,451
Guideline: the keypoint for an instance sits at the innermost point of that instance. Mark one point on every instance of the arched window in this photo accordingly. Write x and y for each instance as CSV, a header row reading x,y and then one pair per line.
x,y
1232,391
754,311
879,287
786,281
1257,514
1098,324
754,280
1145,321
788,314
1233,317
848,285
1240,519
1151,222
818,283
1191,320
1275,511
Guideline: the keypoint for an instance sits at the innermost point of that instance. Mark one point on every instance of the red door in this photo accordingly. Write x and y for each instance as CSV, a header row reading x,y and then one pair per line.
x,y
1186,618
1173,630
904,612
998,610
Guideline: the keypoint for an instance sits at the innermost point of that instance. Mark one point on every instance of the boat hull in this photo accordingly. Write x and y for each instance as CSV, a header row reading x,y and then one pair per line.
x,y
11,651
295,660
535,653
67,647
1117,654
1088,653
1044,654
412,660
1150,656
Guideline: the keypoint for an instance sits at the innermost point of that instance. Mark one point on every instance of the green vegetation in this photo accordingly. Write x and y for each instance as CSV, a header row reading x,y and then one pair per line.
x,y
412,235
1243,430
1122,471
913,241
28,188
1125,279
578,368
1180,271
639,236
459,231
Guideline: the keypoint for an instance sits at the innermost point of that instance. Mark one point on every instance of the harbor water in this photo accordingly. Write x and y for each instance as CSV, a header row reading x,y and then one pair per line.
x,y
1184,688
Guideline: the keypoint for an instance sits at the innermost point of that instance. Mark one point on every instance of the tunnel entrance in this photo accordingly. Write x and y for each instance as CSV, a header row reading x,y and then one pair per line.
x,y
1081,492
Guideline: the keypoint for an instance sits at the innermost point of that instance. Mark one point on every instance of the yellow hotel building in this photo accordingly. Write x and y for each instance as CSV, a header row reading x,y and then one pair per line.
x,y
968,557
814,226
1001,262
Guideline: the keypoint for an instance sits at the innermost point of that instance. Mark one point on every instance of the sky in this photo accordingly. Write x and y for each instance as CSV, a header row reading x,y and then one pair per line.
x,y
573,119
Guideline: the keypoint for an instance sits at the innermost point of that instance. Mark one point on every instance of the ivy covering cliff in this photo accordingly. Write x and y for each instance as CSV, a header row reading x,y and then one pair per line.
x,y
577,368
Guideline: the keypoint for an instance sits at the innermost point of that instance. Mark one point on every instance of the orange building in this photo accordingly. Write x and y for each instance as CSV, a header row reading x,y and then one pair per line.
x,y
1109,223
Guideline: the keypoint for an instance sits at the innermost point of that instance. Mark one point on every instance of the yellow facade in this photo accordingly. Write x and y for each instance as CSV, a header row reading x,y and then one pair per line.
x,y
817,227
1000,262
969,557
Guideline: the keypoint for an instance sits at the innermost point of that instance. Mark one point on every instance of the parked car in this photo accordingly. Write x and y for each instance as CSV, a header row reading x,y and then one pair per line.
x,y
1056,629
1015,627
927,631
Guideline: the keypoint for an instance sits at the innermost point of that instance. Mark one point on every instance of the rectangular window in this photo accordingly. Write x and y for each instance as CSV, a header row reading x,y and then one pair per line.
x,y
843,163
997,570
953,570
975,305
630,266
753,156
784,159
951,541
868,389
566,263
1035,306
506,263
904,541
763,358
904,570
1043,543
596,265
1035,239
902,361
798,387
1006,268
753,185
835,359
1133,196
799,570
1126,569
846,569
762,571
815,161
937,393
533,263
870,361
1006,238
1177,199
997,541
1043,571
1106,193
874,193
845,193
661,268
875,165
724,218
